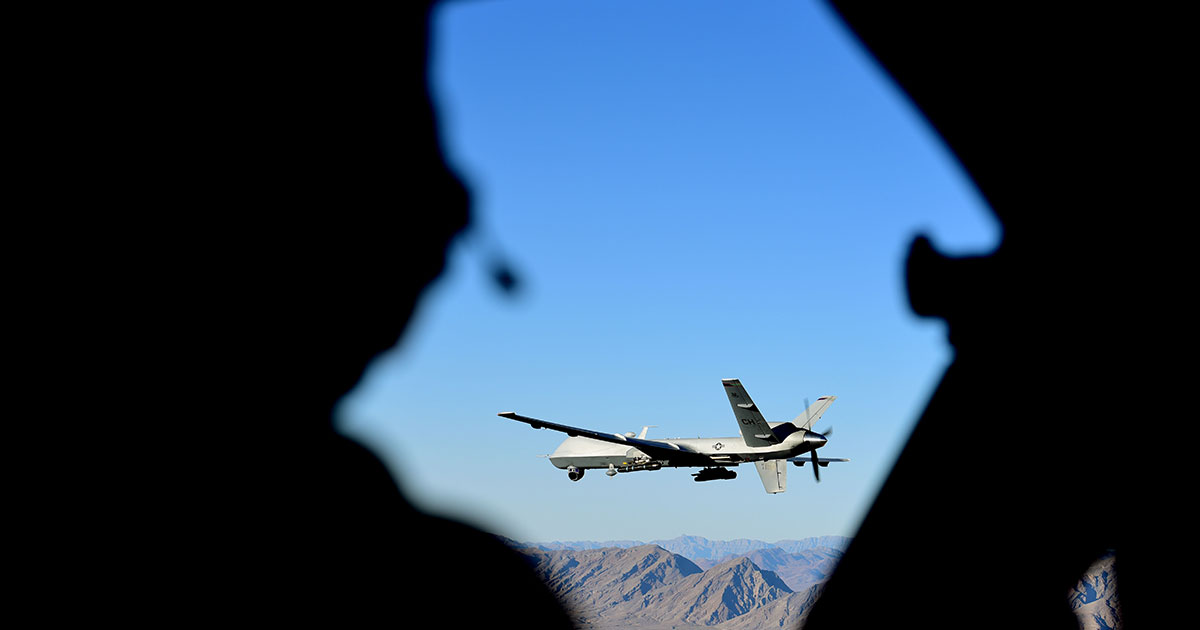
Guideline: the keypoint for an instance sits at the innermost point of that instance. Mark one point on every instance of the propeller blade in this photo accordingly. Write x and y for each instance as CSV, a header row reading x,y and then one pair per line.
x,y
827,432
816,465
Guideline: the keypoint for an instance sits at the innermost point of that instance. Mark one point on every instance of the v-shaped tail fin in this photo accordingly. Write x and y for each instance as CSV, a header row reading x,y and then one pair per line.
x,y
813,413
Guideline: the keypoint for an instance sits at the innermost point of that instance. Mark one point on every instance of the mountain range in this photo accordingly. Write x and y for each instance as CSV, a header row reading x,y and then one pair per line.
x,y
692,582
734,584
649,587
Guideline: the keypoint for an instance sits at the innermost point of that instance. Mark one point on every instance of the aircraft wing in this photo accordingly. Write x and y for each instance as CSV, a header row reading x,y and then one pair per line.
x,y
670,453
755,430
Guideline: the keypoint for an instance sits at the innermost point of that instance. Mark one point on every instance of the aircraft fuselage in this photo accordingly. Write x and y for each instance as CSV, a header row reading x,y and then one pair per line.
x,y
582,452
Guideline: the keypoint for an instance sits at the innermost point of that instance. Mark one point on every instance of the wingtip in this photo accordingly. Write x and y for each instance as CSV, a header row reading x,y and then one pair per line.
x,y
507,414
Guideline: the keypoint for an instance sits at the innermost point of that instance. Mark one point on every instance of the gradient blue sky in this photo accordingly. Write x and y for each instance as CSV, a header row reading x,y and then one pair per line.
x,y
689,191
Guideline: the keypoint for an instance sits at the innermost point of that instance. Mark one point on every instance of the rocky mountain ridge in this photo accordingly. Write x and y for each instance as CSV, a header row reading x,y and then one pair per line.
x,y
1094,599
648,586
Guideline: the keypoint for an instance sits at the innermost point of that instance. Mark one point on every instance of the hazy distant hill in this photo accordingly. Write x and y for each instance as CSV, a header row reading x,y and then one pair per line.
x,y
697,548
800,571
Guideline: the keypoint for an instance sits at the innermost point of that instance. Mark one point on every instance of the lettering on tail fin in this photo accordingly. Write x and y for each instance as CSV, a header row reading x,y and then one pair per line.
x,y
755,430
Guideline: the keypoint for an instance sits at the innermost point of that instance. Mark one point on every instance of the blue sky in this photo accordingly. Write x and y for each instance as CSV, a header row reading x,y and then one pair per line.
x,y
689,191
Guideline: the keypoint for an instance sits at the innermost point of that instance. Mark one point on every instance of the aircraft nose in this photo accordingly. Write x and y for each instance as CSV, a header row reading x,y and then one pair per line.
x,y
816,439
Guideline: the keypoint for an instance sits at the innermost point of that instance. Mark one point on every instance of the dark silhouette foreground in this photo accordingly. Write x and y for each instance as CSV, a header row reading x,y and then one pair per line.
x,y
311,207
1027,464
266,202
